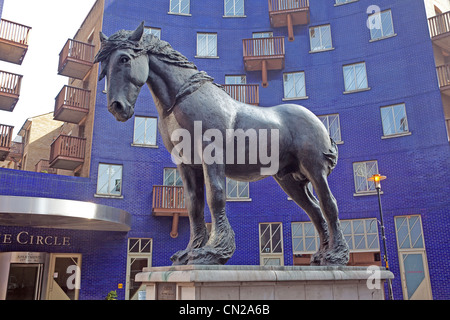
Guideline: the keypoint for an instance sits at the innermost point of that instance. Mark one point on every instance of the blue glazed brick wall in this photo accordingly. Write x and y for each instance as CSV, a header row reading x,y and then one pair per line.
x,y
400,70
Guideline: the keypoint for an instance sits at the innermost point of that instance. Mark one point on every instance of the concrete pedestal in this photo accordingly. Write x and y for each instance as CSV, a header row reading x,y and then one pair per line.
x,y
263,283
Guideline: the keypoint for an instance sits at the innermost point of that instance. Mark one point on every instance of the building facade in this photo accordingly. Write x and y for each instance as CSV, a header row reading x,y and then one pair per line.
x,y
367,70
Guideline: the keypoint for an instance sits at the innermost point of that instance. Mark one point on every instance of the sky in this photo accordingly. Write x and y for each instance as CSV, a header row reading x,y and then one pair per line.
x,y
52,23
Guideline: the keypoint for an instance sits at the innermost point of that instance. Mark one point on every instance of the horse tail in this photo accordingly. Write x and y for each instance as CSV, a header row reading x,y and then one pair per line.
x,y
332,156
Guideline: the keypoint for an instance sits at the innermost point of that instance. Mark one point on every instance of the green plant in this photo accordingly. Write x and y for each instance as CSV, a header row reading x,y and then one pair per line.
x,y
112,295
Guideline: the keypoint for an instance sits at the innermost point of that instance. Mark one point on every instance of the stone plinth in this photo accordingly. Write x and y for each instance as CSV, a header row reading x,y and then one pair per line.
x,y
263,283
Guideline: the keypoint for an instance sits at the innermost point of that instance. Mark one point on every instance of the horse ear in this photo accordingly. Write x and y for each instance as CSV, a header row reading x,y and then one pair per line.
x,y
103,37
137,34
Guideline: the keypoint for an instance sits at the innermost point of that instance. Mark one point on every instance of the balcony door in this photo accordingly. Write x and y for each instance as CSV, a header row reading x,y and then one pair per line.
x,y
263,46
173,197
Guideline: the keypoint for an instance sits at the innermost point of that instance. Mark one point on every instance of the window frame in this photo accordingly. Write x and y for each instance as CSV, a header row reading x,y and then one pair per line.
x,y
109,194
151,30
355,77
271,255
145,145
369,190
294,74
234,15
327,126
179,5
237,198
207,34
396,134
383,36
320,37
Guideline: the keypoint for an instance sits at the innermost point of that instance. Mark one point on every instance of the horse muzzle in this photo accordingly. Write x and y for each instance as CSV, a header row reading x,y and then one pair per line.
x,y
121,111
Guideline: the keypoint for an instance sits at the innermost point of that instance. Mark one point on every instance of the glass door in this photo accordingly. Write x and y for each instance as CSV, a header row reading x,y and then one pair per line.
x,y
24,282
64,276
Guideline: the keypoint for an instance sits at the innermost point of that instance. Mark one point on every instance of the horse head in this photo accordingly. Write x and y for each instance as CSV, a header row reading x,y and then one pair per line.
x,y
126,67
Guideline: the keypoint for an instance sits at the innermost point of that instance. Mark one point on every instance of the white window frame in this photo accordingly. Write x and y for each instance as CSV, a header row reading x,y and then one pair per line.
x,y
328,121
225,15
341,2
153,31
240,186
177,3
362,167
355,78
207,36
145,251
300,245
177,177
394,120
109,183
379,19
236,79
154,132
296,95
318,30
266,254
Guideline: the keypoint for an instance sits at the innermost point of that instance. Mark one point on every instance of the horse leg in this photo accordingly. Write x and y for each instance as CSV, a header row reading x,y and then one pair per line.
x,y
300,193
337,252
221,244
193,183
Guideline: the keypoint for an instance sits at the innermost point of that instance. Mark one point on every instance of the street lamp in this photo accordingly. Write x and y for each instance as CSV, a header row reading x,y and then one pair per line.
x,y
377,178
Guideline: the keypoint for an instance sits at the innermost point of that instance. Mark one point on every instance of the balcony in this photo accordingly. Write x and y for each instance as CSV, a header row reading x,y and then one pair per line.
x,y
288,13
264,54
67,152
13,41
71,104
9,90
43,166
5,140
443,73
440,30
246,93
168,201
76,59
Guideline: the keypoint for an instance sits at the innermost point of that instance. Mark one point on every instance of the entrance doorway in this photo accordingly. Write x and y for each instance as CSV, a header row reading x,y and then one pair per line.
x,y
64,276
25,281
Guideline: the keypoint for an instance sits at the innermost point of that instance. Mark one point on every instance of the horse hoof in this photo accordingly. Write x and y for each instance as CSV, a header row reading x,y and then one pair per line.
x,y
339,256
180,258
207,256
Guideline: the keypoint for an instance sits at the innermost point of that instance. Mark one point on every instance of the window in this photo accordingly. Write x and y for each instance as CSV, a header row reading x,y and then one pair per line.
x,y
409,232
237,189
263,47
206,45
234,8
239,79
294,85
333,126
145,131
320,38
180,6
172,177
271,244
154,31
355,77
362,171
109,180
139,257
339,2
360,234
383,26
394,120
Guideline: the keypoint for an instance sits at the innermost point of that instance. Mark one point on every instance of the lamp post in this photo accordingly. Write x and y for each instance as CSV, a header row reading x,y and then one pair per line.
x,y
376,178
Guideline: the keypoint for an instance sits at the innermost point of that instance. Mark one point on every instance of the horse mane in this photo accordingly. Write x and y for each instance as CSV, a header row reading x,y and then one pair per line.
x,y
148,44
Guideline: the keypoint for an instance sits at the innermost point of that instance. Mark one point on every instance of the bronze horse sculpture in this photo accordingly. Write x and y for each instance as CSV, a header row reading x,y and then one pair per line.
x,y
185,97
